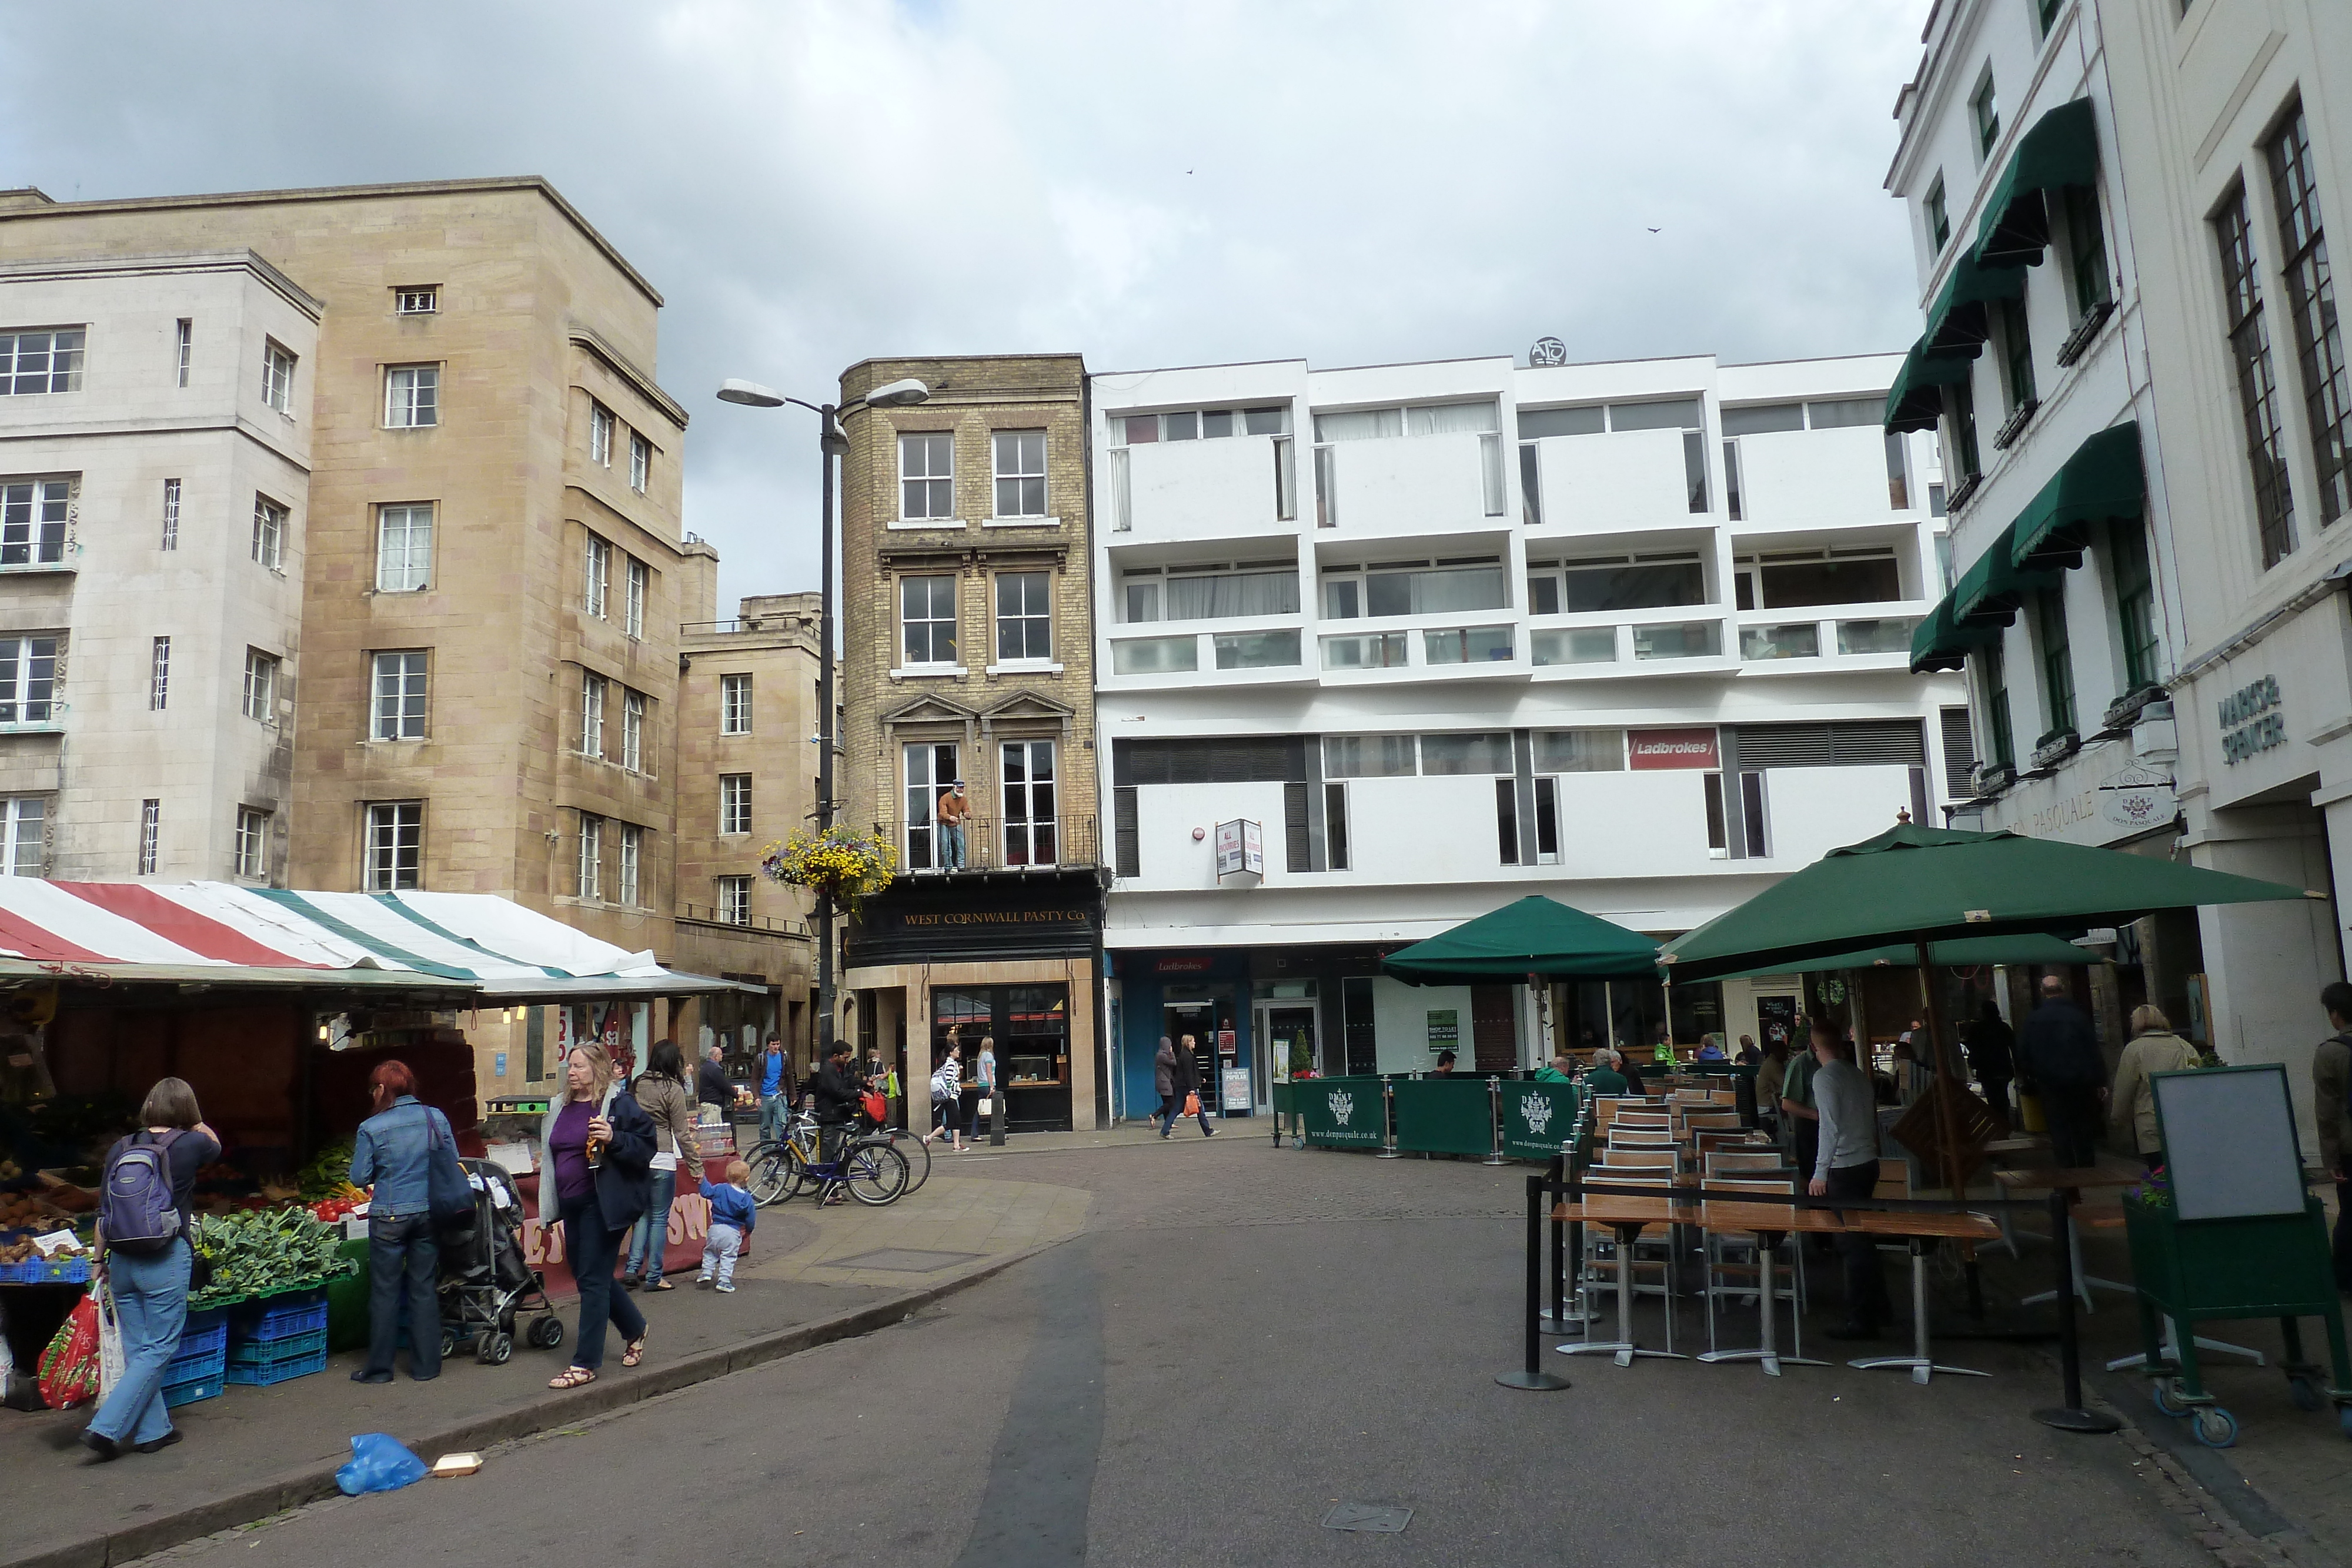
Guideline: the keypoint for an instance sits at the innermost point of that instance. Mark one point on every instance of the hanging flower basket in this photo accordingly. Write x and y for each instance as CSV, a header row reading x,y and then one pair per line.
x,y
846,864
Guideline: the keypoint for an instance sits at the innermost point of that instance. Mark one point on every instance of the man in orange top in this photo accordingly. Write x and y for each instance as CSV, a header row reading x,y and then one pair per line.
x,y
953,809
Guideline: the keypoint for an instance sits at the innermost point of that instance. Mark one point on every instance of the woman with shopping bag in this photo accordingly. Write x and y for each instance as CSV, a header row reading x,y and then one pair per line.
x,y
144,1260
407,1156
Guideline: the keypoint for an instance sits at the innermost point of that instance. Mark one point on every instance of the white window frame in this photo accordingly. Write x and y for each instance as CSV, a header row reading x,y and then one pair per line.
x,y
269,521
1019,474
641,461
735,704
734,805
633,730
24,835
184,348
253,843
403,548
1022,816
922,798
411,673
592,688
159,675
151,836
260,687
633,604
388,821
734,900
171,514
61,360
928,482
598,590
630,889
599,434
418,301
277,363
949,621
1026,617
412,397
34,515
592,857
20,679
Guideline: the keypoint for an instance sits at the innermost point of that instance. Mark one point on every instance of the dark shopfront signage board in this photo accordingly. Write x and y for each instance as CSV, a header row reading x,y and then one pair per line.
x,y
2229,1142
1032,915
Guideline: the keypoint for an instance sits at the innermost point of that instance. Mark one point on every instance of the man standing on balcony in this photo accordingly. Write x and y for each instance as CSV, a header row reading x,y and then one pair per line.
x,y
953,809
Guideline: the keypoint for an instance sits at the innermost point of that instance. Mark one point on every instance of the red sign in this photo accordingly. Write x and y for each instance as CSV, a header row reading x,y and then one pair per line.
x,y
1183,966
1672,748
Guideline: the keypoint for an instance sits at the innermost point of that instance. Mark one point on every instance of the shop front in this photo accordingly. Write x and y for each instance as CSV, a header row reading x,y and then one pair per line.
x,y
1012,959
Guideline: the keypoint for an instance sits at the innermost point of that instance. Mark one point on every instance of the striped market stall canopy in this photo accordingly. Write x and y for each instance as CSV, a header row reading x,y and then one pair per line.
x,y
476,944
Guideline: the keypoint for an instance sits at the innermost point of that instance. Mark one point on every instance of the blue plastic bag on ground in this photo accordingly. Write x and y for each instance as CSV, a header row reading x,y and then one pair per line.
x,y
378,1463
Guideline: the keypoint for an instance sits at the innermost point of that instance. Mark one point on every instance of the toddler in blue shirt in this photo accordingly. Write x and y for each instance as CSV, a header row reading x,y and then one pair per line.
x,y
732,1215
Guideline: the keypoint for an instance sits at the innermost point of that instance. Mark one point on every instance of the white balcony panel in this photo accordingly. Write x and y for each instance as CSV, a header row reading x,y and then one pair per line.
x,y
1813,810
1394,832
1799,478
1202,489
1652,823
1171,858
1630,479
1411,485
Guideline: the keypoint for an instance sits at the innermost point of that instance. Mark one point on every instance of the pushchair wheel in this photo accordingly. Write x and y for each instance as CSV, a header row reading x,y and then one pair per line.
x,y
544,1333
449,1344
495,1349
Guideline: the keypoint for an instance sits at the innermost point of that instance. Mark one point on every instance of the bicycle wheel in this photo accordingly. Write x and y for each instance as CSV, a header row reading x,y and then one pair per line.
x,y
777,1173
873,1172
917,1155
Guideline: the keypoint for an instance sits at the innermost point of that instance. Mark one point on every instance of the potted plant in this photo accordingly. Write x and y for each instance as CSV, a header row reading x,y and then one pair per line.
x,y
841,862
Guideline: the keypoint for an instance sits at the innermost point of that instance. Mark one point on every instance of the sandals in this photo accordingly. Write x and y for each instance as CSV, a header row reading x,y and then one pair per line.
x,y
634,1351
661,1285
572,1377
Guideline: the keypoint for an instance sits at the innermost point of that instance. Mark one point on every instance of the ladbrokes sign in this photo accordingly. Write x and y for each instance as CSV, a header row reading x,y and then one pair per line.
x,y
1652,748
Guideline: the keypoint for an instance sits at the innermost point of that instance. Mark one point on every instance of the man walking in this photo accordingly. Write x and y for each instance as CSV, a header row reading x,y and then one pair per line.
x,y
953,809
1185,1080
1992,1057
1846,1166
2058,1056
771,1091
2331,1082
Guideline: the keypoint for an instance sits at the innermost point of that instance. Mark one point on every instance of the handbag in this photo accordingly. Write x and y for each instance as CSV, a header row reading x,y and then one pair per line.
x,y
449,1193
876,1108
1191,1102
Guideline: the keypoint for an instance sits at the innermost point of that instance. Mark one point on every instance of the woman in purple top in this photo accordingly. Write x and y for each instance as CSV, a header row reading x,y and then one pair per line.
x,y
595,1183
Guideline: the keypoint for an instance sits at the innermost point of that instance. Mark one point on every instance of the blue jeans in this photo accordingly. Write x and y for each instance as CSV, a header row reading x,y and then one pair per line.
x,y
593,1251
775,1111
151,1293
403,1254
952,846
1174,1108
650,1238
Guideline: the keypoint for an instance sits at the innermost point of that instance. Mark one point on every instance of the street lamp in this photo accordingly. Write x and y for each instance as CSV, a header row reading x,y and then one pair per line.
x,y
897,394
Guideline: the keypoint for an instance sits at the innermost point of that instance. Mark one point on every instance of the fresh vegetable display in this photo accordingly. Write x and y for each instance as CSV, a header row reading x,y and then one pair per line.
x,y
328,1174
263,1253
337,1207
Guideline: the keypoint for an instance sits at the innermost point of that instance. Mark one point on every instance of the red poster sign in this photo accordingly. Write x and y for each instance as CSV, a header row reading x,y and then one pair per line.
x,y
1672,748
1181,967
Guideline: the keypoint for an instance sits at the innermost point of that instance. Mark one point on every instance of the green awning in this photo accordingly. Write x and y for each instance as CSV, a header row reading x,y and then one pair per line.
x,y
1940,642
1533,935
2032,948
2103,479
1956,321
1991,590
2061,150
1916,399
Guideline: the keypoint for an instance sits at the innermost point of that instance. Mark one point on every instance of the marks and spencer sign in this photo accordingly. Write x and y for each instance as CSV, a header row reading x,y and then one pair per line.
x,y
2251,720
1651,749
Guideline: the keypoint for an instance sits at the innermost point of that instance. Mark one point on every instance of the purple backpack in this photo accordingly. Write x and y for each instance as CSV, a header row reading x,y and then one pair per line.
x,y
136,1210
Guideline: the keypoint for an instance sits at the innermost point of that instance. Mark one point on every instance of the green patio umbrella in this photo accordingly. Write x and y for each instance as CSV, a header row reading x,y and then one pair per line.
x,y
1968,952
1534,935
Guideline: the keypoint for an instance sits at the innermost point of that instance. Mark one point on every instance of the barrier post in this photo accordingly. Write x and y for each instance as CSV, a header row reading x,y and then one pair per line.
x,y
1532,1376
1495,1120
2069,1417
1556,1321
1388,1121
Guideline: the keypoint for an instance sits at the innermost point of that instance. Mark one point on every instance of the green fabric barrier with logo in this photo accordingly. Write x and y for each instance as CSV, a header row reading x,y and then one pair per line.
x,y
1342,1113
1444,1115
1535,1118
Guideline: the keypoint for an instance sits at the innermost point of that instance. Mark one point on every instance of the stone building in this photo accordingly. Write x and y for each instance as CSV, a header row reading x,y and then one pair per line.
x,y
967,653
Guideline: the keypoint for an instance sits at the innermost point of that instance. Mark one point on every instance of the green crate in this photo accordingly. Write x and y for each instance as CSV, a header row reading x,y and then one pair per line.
x,y
2261,1265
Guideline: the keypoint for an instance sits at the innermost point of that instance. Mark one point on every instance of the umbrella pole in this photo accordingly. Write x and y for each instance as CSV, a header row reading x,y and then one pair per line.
x,y
1948,1110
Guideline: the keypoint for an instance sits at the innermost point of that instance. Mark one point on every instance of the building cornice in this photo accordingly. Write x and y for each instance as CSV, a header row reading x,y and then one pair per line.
x,y
619,364
166,263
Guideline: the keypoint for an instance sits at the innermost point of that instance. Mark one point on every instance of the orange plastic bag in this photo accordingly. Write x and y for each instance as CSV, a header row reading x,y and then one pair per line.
x,y
1192,1102
69,1366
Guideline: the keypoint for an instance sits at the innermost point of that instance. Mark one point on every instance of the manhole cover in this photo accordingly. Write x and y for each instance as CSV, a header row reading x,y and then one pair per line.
x,y
902,1259
1372,1516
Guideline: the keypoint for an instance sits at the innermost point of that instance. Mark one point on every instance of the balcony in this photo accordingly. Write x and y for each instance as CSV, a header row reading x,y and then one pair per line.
x,y
1881,633
1239,654
1401,486
993,844
1237,487
1811,478
1629,481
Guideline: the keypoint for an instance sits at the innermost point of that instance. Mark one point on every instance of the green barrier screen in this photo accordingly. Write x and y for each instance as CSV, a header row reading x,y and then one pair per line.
x,y
1342,1113
1444,1115
1535,1118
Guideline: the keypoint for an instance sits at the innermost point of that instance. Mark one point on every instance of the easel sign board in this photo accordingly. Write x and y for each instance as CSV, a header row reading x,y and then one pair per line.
x,y
2229,1142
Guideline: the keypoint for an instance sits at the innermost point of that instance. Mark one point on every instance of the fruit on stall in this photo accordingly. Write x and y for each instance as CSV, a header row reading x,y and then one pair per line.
x,y
264,1252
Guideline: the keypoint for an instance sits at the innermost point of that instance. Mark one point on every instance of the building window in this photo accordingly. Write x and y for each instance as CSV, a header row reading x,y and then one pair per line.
x,y
2016,353
592,715
927,477
412,397
1648,581
1025,617
592,856
734,705
1898,472
49,360
1256,650
1940,220
1335,826
151,835
1507,821
2057,659
633,730
633,839
734,803
1960,411
28,679
270,533
2135,601
277,378
1029,820
403,549
926,611
599,434
416,301
930,769
184,349
33,520
399,699
641,461
171,514
159,675
2311,300
2046,12
260,687
1418,588
395,842
599,581
1984,110
2086,250
735,899
2250,344
1719,840
252,842
632,609
1020,472
24,835
1993,665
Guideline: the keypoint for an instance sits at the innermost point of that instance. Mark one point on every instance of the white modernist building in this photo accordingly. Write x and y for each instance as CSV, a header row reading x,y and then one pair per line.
x,y
154,469
2132,353
1382,649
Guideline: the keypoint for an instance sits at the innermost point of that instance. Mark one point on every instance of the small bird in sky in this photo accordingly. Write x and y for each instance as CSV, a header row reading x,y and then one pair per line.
x,y
1653,231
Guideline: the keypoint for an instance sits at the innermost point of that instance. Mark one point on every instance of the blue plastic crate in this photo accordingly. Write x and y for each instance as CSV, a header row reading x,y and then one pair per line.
x,y
210,1386
281,1371
202,1353
266,1352
281,1316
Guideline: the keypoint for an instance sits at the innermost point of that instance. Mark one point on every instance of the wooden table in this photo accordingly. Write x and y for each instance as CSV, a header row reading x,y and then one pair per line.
x,y
1769,1222
2070,1180
1917,1227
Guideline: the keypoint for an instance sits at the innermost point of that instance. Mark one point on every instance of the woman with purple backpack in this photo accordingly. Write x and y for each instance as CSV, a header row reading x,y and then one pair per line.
x,y
144,1260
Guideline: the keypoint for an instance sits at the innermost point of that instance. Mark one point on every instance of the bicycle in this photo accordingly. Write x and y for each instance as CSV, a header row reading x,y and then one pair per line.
x,y
873,1171
779,1164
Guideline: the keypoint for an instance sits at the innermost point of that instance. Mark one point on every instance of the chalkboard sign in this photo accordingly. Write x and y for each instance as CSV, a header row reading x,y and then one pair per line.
x,y
2229,1142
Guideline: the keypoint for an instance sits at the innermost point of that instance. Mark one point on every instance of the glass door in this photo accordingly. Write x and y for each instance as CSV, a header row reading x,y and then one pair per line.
x,y
931,769
1028,795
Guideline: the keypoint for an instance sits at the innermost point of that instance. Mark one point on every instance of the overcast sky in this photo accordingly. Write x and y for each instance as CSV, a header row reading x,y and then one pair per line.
x,y
812,182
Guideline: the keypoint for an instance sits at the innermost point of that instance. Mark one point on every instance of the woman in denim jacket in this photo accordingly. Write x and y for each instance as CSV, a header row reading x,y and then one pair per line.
x,y
394,1150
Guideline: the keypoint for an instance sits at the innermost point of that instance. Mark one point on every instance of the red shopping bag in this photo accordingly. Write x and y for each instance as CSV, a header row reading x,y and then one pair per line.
x,y
69,1366
877,1109
1192,1102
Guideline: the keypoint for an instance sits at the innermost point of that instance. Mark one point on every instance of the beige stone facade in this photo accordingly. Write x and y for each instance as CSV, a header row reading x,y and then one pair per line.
x,y
967,653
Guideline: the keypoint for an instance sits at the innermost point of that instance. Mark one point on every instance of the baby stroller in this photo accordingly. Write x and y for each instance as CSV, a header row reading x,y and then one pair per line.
x,y
485,1279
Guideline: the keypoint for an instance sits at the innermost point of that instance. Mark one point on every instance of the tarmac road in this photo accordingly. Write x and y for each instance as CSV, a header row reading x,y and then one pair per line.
x,y
1231,1349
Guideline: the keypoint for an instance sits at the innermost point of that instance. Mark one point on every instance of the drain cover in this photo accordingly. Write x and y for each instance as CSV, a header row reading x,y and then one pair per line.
x,y
1372,1516
902,1259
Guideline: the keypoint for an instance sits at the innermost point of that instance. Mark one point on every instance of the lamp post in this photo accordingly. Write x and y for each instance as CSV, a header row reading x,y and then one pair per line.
x,y
830,441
